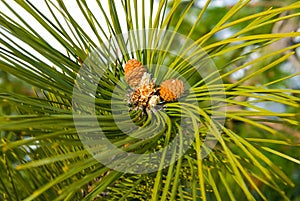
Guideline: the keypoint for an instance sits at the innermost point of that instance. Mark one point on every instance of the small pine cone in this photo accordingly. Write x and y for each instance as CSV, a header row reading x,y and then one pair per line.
x,y
170,90
131,64
134,71
135,76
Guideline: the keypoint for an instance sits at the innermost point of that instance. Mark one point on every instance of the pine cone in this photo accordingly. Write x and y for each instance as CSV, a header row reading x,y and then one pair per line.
x,y
134,71
170,90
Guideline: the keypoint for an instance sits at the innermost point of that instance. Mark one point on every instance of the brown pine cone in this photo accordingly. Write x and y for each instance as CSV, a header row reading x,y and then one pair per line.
x,y
134,71
170,90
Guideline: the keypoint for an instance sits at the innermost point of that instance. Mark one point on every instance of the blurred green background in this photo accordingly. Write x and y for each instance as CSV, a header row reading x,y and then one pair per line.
x,y
215,12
